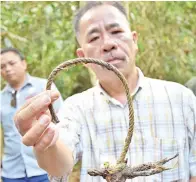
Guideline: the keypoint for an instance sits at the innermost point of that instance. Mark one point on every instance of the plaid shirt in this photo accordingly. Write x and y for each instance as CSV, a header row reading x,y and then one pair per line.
x,y
94,126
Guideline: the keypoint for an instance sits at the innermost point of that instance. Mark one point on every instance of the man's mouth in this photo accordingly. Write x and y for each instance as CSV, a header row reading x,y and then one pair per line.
x,y
114,60
10,74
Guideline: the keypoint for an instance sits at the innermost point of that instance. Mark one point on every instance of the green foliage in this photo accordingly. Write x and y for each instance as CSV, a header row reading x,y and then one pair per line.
x,y
43,32
167,38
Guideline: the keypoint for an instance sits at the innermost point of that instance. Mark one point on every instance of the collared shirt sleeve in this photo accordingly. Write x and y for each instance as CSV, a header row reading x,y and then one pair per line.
x,y
69,131
191,120
70,117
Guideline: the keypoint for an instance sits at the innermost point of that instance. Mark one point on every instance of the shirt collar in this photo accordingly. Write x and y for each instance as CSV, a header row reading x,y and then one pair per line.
x,y
138,87
27,81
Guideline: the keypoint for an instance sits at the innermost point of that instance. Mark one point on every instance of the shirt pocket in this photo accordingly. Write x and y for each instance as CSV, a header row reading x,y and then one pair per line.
x,y
151,149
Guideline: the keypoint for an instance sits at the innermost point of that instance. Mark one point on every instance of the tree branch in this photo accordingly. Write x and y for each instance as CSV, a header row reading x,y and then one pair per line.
x,y
113,175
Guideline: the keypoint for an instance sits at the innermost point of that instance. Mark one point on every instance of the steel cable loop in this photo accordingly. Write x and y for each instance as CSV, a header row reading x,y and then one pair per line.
x,y
74,62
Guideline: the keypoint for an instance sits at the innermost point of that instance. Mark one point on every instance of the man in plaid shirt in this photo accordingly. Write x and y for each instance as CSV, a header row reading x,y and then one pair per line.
x,y
94,124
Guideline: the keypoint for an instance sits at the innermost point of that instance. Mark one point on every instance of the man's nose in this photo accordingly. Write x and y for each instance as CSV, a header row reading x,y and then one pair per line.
x,y
109,45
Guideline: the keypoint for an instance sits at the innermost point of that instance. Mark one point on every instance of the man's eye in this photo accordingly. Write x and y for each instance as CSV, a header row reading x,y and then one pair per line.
x,y
12,63
2,66
116,31
93,39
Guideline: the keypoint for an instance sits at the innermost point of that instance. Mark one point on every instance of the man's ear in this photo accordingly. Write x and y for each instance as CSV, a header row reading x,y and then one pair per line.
x,y
80,53
135,36
135,39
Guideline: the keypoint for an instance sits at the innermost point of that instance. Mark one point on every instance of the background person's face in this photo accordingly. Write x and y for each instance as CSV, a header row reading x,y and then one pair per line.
x,y
13,69
105,34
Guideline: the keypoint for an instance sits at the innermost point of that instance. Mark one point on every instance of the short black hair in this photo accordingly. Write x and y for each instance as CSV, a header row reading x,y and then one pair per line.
x,y
91,4
14,50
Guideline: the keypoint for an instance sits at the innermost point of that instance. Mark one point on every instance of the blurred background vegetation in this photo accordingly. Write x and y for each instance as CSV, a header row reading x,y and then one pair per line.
x,y
43,32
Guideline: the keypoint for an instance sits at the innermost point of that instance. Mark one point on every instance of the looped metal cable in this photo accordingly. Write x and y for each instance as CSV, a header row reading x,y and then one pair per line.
x,y
73,62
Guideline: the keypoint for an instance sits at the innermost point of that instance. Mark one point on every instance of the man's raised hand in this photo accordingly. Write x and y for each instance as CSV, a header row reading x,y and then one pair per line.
x,y
33,121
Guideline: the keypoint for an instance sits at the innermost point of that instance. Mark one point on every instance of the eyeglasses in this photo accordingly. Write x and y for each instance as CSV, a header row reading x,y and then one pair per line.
x,y
13,101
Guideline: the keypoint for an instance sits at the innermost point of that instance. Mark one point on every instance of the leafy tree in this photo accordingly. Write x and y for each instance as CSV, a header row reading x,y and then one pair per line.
x,y
167,36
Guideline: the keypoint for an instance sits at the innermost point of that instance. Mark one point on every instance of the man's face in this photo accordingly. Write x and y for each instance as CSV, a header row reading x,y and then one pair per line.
x,y
13,68
105,34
